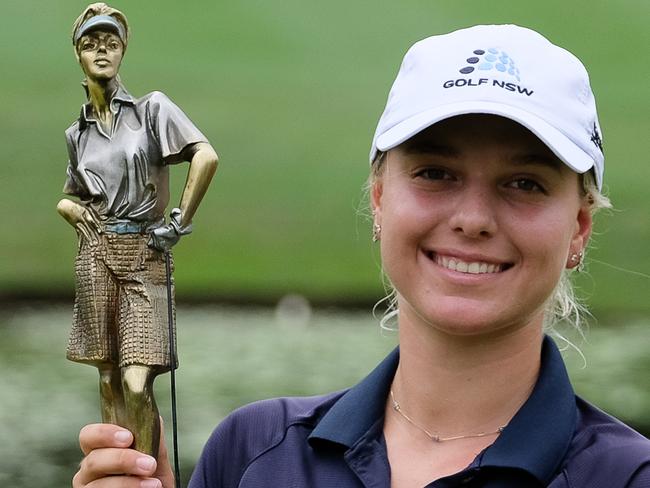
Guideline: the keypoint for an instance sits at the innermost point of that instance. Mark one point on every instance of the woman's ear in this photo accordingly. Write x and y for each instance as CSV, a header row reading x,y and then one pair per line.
x,y
375,196
580,239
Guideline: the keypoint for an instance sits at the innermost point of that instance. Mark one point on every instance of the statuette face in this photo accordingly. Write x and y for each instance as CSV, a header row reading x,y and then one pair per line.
x,y
100,54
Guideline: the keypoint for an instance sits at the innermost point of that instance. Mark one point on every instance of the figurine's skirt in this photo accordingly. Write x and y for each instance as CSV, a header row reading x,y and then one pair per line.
x,y
120,310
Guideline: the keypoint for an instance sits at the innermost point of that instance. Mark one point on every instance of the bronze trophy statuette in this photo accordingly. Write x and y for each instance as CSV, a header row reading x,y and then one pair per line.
x,y
119,151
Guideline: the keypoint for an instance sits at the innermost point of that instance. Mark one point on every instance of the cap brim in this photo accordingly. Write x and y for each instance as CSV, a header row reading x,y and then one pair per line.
x,y
574,157
98,23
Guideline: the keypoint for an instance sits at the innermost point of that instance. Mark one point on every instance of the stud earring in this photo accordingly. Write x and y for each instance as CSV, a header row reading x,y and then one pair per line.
x,y
576,261
376,232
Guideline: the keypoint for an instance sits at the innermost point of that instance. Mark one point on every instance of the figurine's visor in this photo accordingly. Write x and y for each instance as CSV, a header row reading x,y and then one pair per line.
x,y
100,22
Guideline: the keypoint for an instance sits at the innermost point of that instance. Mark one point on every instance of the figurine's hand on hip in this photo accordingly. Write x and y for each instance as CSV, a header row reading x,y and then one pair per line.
x,y
166,236
109,462
81,218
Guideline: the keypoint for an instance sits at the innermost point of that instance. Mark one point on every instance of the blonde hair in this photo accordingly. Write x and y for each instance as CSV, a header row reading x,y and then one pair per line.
x,y
562,306
100,8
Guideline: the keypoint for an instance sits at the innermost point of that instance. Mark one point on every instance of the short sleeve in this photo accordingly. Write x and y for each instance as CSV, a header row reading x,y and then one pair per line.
x,y
72,185
171,127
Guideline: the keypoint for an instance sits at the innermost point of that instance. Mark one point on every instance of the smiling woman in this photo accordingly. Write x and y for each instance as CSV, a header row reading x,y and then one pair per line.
x,y
483,191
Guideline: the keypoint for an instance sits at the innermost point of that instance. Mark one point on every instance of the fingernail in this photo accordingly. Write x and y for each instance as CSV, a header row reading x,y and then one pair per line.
x,y
123,436
150,484
145,463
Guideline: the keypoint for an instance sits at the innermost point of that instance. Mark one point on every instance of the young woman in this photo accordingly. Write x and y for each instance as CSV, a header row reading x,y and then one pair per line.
x,y
486,168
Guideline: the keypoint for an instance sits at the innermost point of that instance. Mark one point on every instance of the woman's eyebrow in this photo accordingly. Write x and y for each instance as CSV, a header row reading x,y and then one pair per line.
x,y
541,159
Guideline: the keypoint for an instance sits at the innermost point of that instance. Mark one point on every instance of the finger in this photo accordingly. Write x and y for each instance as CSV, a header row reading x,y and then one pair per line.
x,y
94,233
91,219
119,482
96,436
164,471
101,463
81,227
154,242
90,232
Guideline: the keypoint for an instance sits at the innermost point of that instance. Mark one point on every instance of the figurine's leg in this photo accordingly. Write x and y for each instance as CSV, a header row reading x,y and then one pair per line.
x,y
110,392
141,416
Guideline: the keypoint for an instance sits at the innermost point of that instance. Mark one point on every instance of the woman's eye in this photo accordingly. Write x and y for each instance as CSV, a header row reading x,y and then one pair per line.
x,y
88,45
113,45
526,184
433,174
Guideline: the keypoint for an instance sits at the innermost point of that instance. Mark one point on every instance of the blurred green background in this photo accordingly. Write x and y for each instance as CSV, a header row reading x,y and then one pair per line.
x,y
289,94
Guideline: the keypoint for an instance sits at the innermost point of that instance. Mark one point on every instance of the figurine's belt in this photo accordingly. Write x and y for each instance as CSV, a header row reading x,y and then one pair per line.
x,y
132,227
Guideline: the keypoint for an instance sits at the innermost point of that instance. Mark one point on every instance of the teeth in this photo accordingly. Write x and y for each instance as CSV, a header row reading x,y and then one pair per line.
x,y
463,267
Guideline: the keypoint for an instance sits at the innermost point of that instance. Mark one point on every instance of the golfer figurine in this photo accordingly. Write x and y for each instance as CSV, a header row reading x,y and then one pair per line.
x,y
120,150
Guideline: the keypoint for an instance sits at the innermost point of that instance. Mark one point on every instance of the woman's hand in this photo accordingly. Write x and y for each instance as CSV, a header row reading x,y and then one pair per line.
x,y
81,218
110,463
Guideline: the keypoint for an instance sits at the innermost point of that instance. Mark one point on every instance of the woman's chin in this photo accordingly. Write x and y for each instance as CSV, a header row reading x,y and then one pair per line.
x,y
467,318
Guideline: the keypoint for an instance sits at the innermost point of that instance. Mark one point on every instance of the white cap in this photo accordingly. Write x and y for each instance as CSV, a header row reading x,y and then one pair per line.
x,y
502,70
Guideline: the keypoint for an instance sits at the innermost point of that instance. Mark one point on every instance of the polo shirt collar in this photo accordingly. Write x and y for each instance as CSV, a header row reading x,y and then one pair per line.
x,y
536,439
120,97
538,436
360,407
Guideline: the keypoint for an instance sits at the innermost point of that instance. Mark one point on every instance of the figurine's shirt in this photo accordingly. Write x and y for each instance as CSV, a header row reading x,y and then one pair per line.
x,y
123,175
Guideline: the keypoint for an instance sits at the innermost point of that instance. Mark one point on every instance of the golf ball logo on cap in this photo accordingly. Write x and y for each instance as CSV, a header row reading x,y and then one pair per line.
x,y
493,58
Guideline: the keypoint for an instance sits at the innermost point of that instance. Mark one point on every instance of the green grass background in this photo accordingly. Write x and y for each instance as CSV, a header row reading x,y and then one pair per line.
x,y
289,93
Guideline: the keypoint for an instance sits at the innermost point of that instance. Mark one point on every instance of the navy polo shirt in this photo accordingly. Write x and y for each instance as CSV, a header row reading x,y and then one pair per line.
x,y
556,439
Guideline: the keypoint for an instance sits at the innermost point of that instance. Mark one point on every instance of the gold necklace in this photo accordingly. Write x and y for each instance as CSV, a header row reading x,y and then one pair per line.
x,y
437,438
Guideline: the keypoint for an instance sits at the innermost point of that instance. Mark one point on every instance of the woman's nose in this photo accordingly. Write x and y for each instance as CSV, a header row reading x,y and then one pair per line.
x,y
474,214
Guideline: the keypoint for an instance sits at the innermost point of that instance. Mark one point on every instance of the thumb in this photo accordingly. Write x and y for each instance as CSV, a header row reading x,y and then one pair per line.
x,y
164,471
